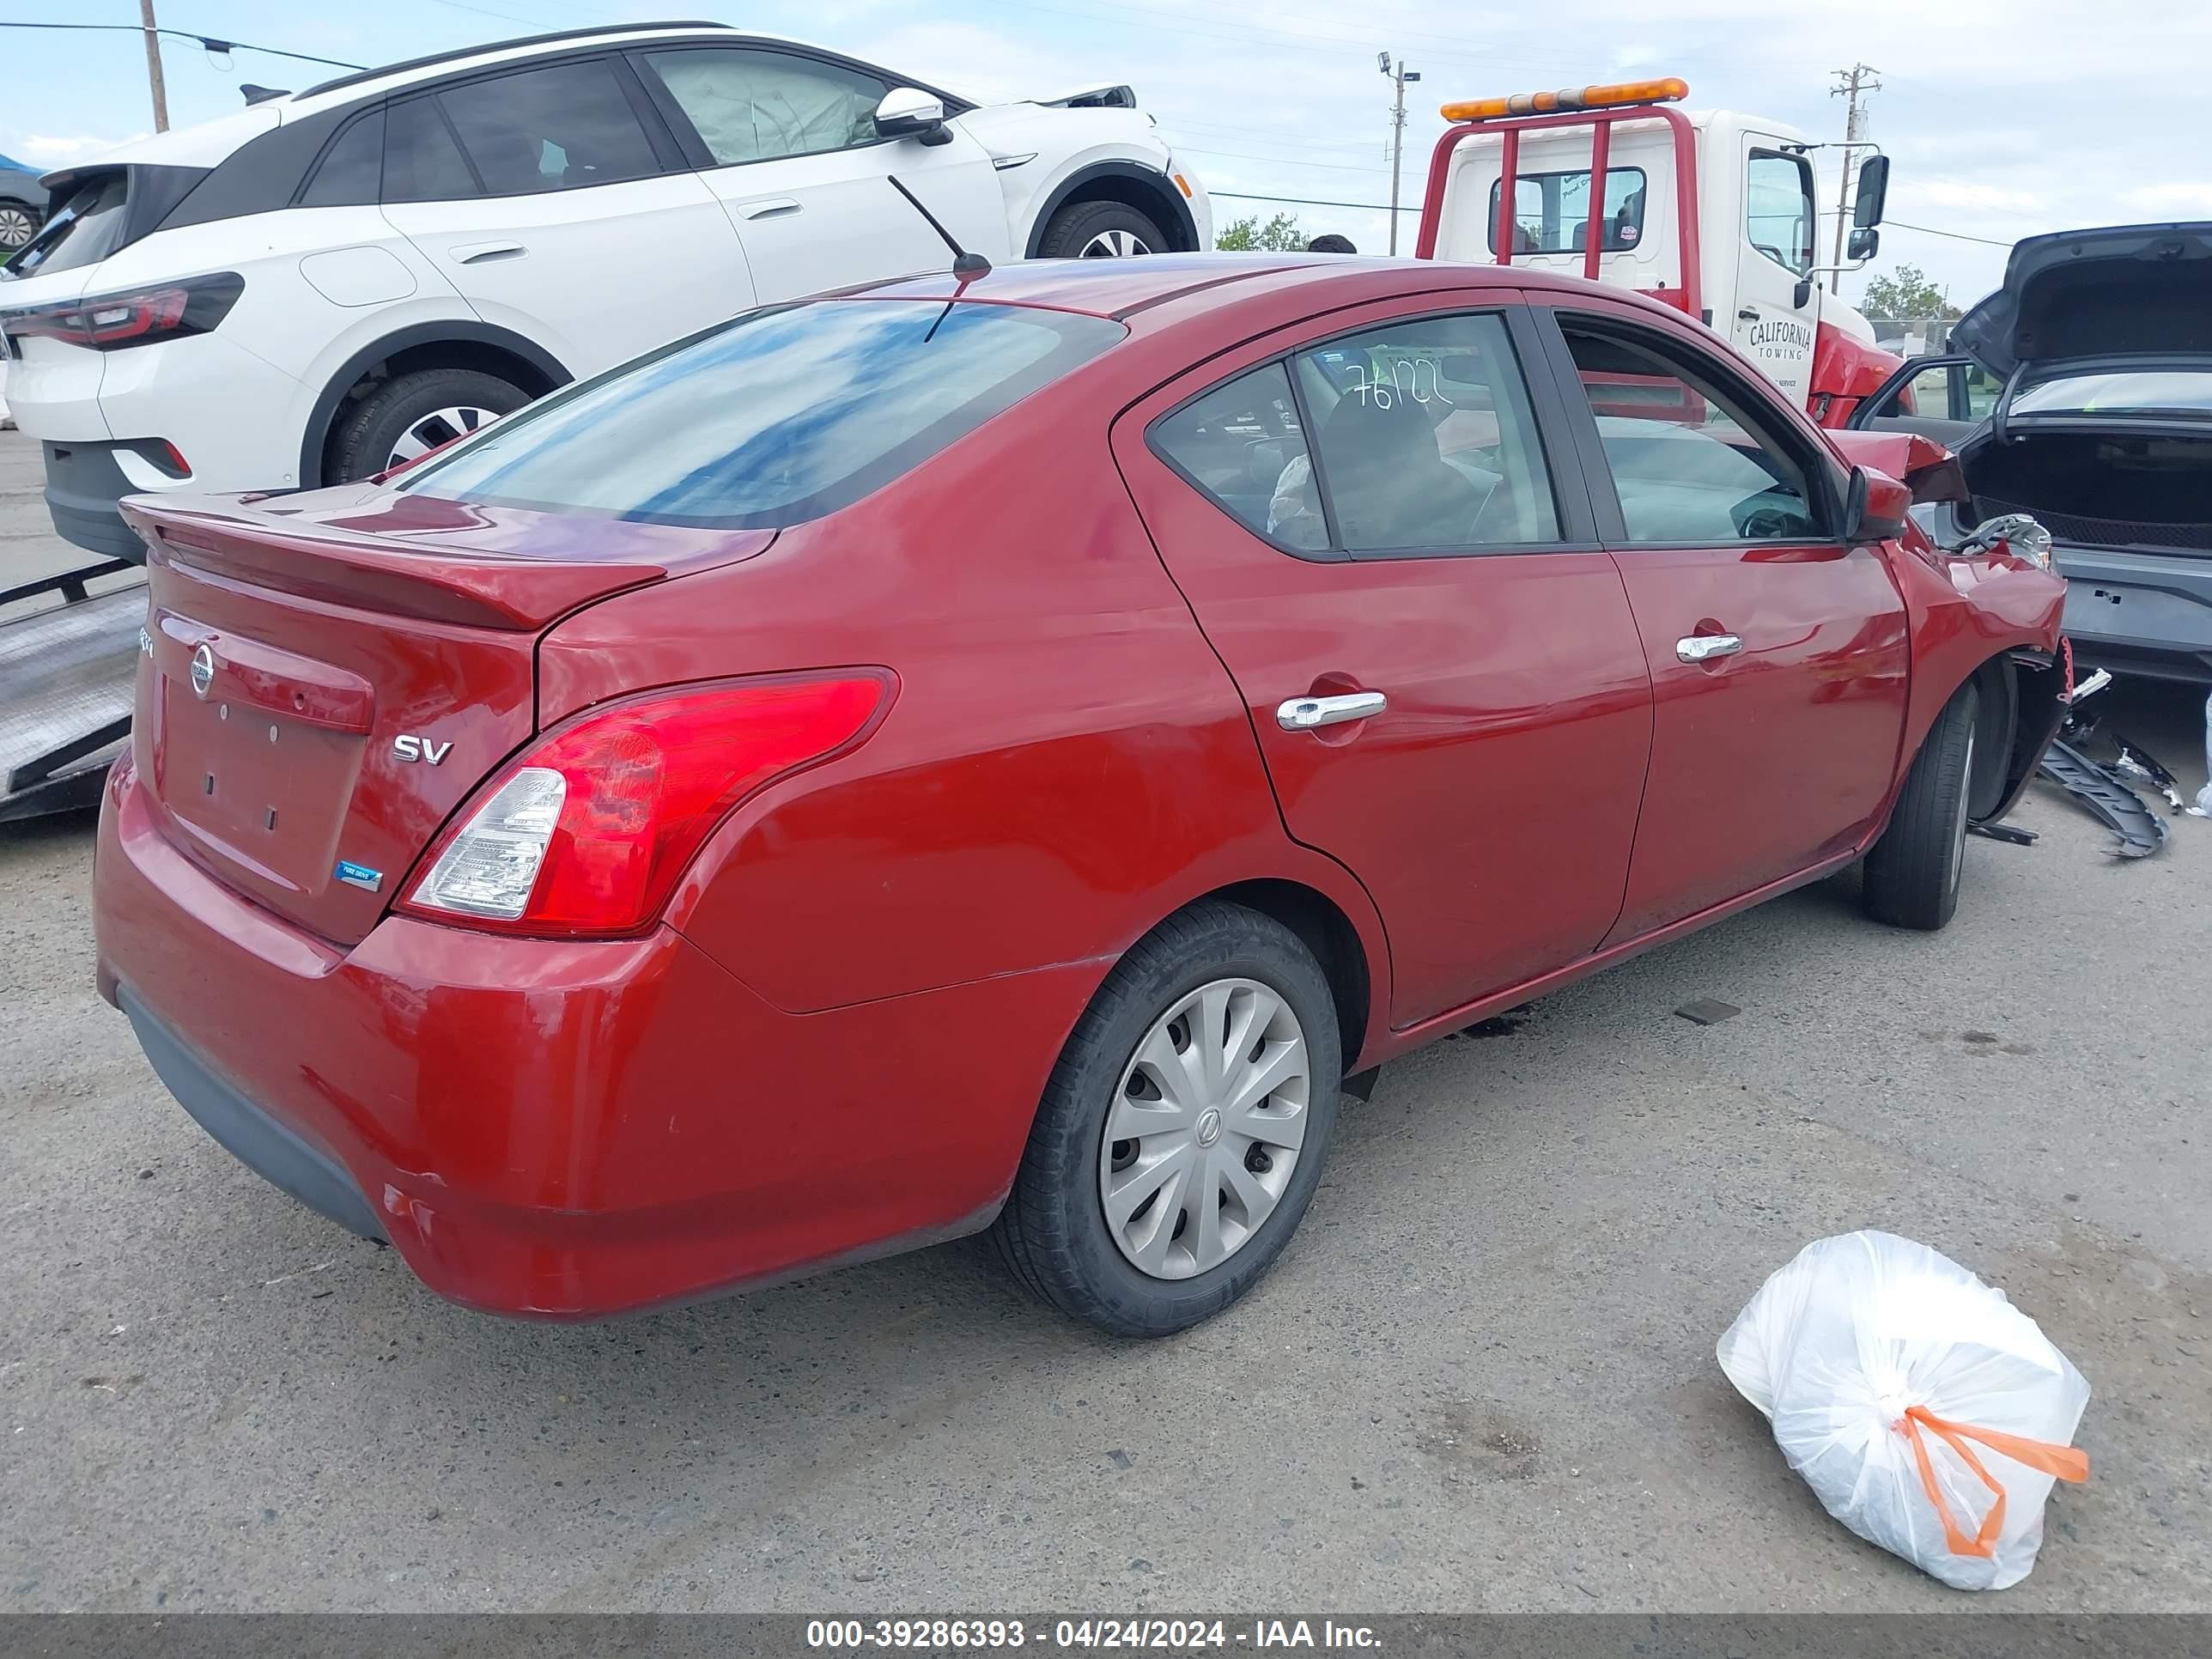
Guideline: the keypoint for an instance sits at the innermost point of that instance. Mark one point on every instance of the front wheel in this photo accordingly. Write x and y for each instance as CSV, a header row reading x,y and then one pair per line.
x,y
1911,877
1182,1135
1100,230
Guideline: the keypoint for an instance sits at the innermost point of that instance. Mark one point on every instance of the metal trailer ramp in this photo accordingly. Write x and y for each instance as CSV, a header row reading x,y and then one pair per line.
x,y
68,675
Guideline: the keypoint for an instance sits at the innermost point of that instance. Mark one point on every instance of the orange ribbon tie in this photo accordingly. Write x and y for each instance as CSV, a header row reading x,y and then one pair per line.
x,y
2066,1462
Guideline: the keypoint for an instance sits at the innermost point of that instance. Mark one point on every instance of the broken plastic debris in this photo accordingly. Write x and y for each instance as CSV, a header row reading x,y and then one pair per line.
x,y
2089,687
1890,1375
2137,761
2142,831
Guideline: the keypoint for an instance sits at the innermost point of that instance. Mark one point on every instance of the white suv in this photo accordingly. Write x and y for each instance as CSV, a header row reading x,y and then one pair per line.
x,y
327,282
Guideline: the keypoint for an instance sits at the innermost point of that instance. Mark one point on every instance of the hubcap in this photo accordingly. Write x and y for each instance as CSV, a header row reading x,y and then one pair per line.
x,y
15,226
442,427
1204,1129
1115,245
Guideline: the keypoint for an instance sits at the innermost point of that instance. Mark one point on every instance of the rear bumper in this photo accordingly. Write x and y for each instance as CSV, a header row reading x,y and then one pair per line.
x,y
2139,613
84,481
566,1129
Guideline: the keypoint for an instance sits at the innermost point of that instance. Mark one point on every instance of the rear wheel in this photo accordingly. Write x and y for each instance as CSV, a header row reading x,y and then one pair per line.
x,y
19,222
1182,1135
1911,877
1100,230
411,415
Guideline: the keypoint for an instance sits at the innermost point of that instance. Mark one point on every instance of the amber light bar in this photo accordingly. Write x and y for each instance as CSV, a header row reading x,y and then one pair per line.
x,y
1671,89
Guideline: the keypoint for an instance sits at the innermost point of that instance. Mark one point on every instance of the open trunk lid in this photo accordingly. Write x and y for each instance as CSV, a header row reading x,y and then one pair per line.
x,y
291,642
2111,295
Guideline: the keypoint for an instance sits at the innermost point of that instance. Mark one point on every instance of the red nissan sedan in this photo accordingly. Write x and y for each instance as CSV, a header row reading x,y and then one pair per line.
x,y
1008,753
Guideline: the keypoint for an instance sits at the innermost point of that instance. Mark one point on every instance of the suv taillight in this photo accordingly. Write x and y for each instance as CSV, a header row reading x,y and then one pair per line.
x,y
586,833
138,317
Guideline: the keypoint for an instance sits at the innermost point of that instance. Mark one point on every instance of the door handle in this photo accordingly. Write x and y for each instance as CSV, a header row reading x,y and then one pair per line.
x,y
783,208
1748,313
1304,713
1704,647
477,254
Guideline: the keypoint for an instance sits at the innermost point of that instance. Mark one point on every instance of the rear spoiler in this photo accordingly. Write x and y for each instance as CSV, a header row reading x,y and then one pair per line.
x,y
1099,97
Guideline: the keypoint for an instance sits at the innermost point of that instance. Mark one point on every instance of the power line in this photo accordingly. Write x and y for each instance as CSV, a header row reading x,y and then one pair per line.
x,y
212,43
1955,235
1308,201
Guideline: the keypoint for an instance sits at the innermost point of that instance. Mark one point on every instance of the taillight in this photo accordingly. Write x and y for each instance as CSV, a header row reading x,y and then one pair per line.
x,y
138,317
587,833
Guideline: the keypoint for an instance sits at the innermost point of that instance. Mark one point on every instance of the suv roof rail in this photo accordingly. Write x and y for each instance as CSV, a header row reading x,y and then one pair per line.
x,y
482,47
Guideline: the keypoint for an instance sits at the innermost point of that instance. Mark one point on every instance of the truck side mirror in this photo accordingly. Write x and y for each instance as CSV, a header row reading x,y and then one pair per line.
x,y
910,112
1875,507
1863,243
1803,297
1873,192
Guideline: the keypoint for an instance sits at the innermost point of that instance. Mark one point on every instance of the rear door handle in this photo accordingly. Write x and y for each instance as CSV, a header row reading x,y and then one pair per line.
x,y
477,254
1304,713
783,208
1704,647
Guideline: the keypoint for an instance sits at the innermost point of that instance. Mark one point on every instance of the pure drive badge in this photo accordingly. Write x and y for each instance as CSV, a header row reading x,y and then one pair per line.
x,y
359,875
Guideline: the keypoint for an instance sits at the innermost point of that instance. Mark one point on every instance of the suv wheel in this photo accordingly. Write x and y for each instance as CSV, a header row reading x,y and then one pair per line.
x,y
412,414
1100,230
1182,1133
1911,875
19,222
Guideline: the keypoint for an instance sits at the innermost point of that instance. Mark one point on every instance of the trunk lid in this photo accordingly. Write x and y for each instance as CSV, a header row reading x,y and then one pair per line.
x,y
290,641
2121,295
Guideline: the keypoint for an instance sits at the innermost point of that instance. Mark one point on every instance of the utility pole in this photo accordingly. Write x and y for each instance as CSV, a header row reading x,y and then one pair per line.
x,y
1853,84
1400,75
153,65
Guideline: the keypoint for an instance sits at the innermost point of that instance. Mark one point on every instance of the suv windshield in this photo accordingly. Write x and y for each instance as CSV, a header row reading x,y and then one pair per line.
x,y
83,233
2132,391
782,415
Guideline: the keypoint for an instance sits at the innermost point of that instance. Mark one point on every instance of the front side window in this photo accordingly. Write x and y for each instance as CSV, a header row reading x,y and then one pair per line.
x,y
779,417
1551,211
1689,460
1243,446
1777,209
1426,439
562,127
758,106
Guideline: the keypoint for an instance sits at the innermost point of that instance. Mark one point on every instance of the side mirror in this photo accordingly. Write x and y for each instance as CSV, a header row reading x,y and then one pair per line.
x,y
1803,297
1873,192
1875,507
910,112
1863,243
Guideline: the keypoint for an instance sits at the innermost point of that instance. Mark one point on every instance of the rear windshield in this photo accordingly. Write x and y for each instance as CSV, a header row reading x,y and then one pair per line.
x,y
782,416
2134,391
87,228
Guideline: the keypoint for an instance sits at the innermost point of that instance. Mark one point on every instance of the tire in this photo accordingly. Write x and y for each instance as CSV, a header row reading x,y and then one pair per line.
x,y
1911,876
1100,230
1054,1234
368,435
19,223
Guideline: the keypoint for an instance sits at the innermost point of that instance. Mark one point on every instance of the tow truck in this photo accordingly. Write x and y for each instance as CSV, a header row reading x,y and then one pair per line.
x,y
1713,211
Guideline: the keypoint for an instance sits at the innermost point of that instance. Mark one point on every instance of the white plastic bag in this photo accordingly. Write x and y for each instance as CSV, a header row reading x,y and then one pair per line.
x,y
1927,1412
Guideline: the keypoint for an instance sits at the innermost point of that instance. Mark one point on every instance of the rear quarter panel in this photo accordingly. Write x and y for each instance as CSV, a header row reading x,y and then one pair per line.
x,y
1066,763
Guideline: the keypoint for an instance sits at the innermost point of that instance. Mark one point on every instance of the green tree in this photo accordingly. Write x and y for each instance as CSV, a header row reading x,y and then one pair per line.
x,y
1905,296
1281,234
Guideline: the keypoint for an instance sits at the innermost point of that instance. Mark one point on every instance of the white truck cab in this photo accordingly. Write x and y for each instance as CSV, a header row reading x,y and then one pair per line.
x,y
1714,211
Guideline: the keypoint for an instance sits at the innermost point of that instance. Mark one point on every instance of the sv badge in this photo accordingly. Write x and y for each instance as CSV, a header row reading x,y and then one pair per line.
x,y
419,749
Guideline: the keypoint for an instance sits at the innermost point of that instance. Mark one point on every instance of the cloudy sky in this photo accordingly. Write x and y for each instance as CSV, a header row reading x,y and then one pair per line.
x,y
2004,117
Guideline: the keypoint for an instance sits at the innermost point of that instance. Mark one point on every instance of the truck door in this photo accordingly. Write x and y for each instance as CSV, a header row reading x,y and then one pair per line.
x,y
1777,305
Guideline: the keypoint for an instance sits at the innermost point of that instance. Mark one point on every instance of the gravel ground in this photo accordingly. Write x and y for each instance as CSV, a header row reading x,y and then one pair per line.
x,y
1481,1378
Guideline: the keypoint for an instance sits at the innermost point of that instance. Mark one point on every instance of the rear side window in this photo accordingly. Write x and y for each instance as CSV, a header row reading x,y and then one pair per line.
x,y
757,106
782,416
351,172
421,162
89,228
556,128
1426,437
1240,443
1692,462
